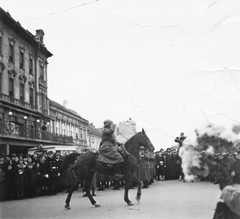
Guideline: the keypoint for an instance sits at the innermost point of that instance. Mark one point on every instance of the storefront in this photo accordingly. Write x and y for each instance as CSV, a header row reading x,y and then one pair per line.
x,y
63,150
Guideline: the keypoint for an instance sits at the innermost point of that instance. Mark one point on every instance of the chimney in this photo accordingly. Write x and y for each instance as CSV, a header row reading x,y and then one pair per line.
x,y
39,36
65,104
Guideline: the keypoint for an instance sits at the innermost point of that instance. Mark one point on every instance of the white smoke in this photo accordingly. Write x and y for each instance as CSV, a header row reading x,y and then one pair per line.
x,y
190,158
218,131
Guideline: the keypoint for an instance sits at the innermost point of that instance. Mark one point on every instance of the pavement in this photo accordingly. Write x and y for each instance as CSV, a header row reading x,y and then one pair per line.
x,y
163,199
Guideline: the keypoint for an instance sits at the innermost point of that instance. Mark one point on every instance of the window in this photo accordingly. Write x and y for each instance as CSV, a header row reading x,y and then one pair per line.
x,y
30,66
1,43
43,101
21,60
63,128
22,94
41,72
80,130
1,73
57,126
11,91
31,97
11,52
76,135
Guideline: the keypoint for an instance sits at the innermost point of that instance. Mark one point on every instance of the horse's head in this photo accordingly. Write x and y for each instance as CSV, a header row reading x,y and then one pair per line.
x,y
145,141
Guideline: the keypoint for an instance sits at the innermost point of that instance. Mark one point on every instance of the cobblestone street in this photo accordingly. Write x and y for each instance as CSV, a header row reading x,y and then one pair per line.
x,y
163,199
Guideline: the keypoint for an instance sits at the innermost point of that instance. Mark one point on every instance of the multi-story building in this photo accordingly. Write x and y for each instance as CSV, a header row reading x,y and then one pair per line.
x,y
125,130
66,122
25,120
94,137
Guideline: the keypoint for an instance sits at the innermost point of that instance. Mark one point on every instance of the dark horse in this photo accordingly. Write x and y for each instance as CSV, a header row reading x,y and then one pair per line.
x,y
87,164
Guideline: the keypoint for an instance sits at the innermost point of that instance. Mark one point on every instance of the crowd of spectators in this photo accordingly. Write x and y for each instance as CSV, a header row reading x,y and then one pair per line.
x,y
29,176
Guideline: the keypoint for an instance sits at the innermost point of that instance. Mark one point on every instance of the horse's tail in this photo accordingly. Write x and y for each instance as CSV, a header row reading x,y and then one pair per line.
x,y
67,161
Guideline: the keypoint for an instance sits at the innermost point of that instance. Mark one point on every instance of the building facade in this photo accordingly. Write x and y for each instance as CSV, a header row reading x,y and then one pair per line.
x,y
24,105
94,137
125,130
66,122
28,118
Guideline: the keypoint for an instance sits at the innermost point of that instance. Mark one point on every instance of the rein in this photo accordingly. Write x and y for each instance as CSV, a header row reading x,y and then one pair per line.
x,y
129,154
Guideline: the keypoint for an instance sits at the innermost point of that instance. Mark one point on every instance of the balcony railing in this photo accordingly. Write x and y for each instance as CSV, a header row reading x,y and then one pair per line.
x,y
17,102
11,129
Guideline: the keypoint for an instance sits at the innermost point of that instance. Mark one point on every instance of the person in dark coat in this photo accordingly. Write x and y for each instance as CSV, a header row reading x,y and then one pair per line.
x,y
9,183
108,152
169,165
51,173
2,178
180,140
179,170
20,180
59,184
31,181
44,179
39,178
143,167
3,163
162,170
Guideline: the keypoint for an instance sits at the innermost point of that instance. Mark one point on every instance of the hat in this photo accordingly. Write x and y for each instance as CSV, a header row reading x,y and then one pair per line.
x,y
142,148
13,155
58,154
30,164
107,122
49,152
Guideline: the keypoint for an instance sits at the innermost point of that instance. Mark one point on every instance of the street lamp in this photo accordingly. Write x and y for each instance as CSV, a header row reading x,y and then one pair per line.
x,y
9,123
38,131
25,119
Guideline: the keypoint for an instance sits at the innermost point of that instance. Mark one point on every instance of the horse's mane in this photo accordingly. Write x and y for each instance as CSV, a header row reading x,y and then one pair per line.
x,y
69,160
130,139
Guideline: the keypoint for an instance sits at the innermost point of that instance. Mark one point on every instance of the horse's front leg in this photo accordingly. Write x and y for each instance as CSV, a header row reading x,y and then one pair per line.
x,y
88,193
139,188
126,199
70,192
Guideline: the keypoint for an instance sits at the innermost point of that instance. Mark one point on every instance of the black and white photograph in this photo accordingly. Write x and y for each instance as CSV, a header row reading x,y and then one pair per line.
x,y
120,109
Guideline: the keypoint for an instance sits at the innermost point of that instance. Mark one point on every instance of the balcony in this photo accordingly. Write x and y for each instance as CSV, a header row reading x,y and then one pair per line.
x,y
14,130
6,98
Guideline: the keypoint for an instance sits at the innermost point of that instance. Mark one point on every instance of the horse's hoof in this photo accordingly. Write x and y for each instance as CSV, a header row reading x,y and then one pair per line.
x,y
97,205
138,198
67,207
130,204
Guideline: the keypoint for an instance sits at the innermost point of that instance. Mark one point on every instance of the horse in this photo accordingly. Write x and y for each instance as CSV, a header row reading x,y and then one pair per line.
x,y
86,164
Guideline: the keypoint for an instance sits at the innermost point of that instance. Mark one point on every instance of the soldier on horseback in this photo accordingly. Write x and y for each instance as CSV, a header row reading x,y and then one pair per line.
x,y
108,152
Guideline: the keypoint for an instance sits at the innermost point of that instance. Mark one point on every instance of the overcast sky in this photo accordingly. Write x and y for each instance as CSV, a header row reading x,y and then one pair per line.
x,y
172,66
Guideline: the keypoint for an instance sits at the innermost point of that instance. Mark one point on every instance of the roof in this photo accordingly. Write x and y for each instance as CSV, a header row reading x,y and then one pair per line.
x,y
92,129
25,34
57,105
